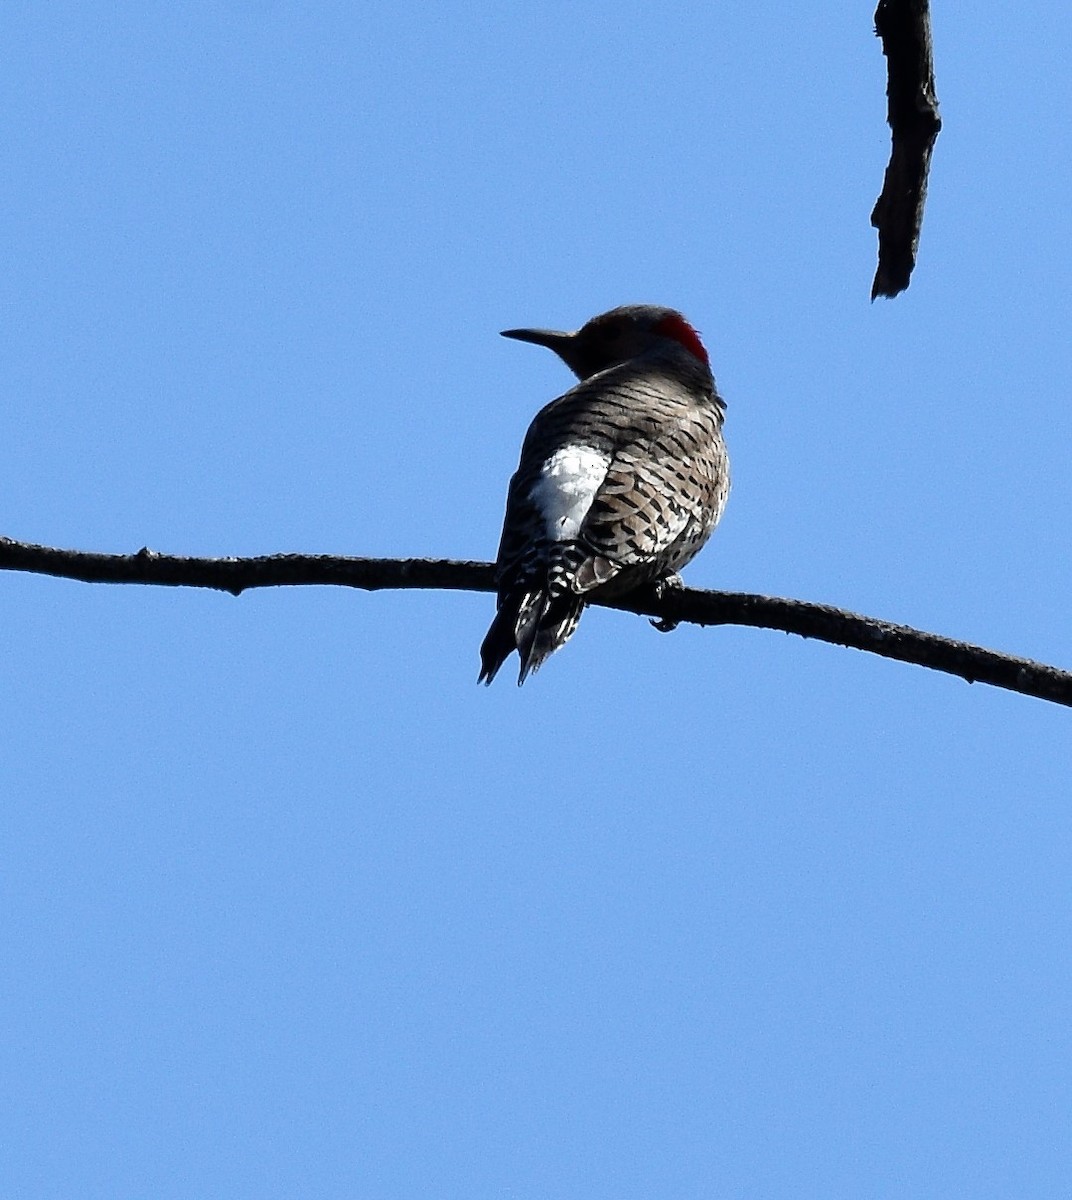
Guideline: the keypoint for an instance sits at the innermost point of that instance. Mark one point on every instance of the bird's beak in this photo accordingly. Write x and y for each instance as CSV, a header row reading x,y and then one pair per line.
x,y
550,338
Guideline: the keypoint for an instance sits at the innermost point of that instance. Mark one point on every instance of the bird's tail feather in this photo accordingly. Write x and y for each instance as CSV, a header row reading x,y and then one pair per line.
x,y
535,622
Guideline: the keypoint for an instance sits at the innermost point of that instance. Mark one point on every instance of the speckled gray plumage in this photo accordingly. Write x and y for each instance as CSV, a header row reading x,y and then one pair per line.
x,y
657,419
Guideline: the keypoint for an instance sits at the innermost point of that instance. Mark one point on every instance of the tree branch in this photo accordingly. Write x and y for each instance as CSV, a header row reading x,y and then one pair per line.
x,y
912,112
841,628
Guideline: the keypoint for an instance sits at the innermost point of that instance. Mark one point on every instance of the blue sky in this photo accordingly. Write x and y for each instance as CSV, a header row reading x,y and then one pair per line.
x,y
290,906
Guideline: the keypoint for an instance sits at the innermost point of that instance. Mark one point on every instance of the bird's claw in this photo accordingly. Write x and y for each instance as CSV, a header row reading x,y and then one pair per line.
x,y
663,624
663,588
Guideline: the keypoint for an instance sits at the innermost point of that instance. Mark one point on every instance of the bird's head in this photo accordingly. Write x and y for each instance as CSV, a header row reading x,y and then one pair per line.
x,y
617,336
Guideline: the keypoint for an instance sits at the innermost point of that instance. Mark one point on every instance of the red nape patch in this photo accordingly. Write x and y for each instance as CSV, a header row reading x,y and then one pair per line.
x,y
681,331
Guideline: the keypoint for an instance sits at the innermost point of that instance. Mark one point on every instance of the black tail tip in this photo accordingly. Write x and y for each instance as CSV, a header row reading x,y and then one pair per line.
x,y
488,671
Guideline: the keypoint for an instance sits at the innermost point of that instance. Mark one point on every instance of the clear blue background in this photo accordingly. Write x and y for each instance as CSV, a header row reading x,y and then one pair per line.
x,y
289,906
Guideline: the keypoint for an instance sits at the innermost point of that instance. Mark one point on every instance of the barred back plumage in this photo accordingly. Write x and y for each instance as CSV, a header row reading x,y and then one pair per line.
x,y
621,480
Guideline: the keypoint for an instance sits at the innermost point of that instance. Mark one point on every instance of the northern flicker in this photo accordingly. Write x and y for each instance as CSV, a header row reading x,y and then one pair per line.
x,y
621,480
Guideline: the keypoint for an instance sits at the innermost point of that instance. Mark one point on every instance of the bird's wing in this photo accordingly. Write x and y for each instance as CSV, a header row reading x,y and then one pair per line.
x,y
613,484
564,458
523,525
658,503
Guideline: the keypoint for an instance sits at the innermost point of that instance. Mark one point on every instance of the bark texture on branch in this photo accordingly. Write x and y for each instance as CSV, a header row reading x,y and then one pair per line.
x,y
912,112
834,625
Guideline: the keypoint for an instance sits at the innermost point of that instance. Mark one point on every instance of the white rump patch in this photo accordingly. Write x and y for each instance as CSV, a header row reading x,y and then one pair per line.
x,y
567,485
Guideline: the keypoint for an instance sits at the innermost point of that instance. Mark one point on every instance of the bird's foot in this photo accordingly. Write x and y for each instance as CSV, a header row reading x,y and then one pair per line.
x,y
663,589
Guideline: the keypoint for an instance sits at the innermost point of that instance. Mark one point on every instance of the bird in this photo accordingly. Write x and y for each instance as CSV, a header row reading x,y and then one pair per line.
x,y
621,481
